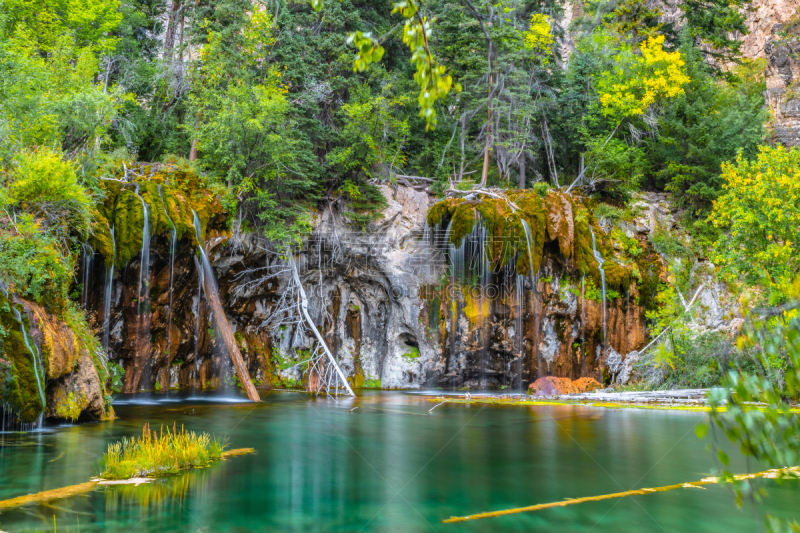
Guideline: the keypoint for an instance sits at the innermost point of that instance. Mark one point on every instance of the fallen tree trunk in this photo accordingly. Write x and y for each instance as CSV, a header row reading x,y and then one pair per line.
x,y
304,307
224,329
221,321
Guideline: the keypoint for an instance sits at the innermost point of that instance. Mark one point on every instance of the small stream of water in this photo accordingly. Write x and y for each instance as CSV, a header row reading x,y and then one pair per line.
x,y
38,367
109,293
172,244
599,259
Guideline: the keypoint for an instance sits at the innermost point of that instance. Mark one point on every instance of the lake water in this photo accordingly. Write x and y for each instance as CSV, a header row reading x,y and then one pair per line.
x,y
388,465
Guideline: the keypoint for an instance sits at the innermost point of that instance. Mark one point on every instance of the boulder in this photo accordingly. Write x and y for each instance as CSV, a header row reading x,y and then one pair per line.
x,y
587,384
74,388
552,386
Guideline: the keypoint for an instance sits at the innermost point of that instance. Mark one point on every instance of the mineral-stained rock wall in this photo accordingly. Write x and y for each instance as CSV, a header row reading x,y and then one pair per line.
x,y
64,367
385,303
783,82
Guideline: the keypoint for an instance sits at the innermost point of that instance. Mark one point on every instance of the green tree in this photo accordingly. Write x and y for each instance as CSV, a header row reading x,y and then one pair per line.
x,y
244,135
759,212
708,124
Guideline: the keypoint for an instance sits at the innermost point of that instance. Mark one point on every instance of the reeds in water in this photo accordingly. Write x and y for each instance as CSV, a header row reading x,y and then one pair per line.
x,y
160,453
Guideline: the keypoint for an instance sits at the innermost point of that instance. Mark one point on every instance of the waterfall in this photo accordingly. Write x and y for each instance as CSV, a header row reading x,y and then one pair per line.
x,y
88,254
520,337
470,263
37,363
171,270
220,320
6,411
529,239
108,292
602,279
453,305
200,277
144,264
583,312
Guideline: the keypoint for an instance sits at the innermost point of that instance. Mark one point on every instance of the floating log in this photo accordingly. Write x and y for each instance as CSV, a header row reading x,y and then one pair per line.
x,y
792,472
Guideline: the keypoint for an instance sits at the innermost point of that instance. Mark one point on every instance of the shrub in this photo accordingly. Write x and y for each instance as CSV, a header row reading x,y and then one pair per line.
x,y
667,244
694,361
760,211
43,184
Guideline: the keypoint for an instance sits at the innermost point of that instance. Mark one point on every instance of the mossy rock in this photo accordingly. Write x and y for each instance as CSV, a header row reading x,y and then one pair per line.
x,y
20,389
169,209
553,217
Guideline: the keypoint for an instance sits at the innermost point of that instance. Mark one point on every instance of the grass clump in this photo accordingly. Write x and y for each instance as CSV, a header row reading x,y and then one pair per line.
x,y
161,453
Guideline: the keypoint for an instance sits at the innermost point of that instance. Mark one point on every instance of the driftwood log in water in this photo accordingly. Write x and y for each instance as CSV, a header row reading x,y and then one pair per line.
x,y
783,473
73,490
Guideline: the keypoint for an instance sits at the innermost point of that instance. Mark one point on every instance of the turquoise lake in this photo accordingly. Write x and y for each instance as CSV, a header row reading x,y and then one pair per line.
x,y
389,465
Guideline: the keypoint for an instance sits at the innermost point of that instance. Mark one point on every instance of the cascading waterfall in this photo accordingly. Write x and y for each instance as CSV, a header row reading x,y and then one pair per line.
x,y
529,239
171,269
583,312
88,255
143,337
520,294
484,279
453,305
220,320
470,264
108,293
599,259
144,268
37,363
197,318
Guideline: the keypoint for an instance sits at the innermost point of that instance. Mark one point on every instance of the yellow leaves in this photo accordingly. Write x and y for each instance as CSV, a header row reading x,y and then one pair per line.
x,y
539,37
760,209
639,81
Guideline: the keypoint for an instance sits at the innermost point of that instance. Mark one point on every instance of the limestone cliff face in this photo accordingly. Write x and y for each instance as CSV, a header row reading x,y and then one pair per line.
x,y
783,81
383,302
762,19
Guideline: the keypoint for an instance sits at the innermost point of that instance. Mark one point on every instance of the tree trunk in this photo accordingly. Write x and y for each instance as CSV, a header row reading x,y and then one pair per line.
x,y
169,36
193,150
304,306
221,321
224,329
485,174
522,170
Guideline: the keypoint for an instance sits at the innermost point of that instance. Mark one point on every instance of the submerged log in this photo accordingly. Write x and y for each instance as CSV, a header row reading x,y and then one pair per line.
x,y
788,473
73,490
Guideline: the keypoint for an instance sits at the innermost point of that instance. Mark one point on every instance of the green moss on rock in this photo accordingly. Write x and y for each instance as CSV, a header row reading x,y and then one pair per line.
x,y
553,217
182,192
20,389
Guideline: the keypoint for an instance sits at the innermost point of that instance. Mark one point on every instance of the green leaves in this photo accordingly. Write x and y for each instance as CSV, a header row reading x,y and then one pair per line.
x,y
751,407
723,457
368,50
701,430
760,211
433,80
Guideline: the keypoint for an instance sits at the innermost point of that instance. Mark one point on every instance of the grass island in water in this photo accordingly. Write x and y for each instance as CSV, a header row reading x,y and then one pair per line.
x,y
156,454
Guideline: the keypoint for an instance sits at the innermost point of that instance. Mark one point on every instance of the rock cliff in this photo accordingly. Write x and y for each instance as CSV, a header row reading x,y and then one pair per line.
x,y
385,301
